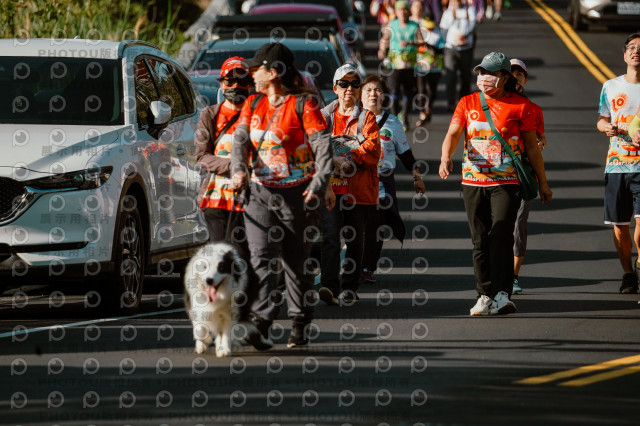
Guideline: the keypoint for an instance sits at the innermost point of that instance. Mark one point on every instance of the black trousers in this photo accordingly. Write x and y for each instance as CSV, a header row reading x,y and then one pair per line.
x,y
344,222
491,212
457,62
428,89
278,224
404,80
372,241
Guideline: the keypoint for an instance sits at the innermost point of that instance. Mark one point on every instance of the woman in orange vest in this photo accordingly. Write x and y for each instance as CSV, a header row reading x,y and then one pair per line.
x,y
356,150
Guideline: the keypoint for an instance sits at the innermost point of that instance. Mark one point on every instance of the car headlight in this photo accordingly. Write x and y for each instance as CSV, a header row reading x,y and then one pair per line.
x,y
83,179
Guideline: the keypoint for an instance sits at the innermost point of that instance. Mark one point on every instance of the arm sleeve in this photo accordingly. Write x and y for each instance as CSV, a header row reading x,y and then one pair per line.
x,y
408,160
368,153
321,146
315,126
205,136
400,142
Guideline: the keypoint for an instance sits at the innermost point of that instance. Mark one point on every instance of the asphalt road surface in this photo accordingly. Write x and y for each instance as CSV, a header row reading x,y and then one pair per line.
x,y
408,353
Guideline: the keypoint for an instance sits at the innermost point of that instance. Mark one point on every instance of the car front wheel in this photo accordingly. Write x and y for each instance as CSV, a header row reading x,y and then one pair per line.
x,y
122,289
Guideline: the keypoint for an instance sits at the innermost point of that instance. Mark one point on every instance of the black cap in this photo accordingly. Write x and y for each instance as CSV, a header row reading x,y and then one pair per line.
x,y
269,53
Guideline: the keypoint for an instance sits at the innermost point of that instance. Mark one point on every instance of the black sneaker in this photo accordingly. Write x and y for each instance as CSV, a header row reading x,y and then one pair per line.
x,y
327,296
257,333
629,283
349,298
255,338
299,335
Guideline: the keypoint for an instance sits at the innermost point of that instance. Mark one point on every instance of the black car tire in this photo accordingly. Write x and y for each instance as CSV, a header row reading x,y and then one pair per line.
x,y
121,291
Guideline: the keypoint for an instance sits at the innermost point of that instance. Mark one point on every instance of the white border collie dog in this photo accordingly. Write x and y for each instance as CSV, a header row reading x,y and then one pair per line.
x,y
215,277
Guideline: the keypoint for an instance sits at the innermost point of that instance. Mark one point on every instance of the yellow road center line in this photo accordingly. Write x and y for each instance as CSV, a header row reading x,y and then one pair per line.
x,y
568,42
601,377
580,370
577,40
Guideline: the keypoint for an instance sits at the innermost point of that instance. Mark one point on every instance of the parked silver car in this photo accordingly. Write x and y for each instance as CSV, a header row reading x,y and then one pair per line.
x,y
98,177
606,12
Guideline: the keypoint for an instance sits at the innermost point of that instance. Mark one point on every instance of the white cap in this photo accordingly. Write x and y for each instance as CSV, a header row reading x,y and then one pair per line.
x,y
519,63
344,70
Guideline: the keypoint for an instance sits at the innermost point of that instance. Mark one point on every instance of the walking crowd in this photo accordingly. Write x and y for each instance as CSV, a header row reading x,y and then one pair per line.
x,y
283,164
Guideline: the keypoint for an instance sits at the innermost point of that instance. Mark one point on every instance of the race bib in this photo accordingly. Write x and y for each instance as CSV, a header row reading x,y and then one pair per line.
x,y
484,153
273,163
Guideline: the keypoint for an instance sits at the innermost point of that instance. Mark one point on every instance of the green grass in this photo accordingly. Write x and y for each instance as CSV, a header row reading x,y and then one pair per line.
x,y
161,22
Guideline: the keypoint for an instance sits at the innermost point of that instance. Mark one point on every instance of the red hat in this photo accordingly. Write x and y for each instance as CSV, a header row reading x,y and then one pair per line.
x,y
231,64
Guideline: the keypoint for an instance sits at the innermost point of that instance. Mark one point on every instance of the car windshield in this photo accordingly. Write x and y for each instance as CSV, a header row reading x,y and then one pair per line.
x,y
55,90
321,64
340,5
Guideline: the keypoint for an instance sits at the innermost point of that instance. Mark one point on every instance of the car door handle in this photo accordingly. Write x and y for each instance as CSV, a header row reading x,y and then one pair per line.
x,y
181,150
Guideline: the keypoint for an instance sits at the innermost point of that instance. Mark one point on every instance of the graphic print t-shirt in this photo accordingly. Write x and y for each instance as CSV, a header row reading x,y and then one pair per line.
x,y
619,101
484,161
394,141
285,157
219,194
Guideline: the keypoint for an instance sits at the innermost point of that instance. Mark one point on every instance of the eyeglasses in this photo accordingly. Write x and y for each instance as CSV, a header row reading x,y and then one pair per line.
x,y
346,83
632,47
241,81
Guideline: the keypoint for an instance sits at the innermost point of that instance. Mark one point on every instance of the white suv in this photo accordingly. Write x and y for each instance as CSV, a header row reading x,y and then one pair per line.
x,y
98,175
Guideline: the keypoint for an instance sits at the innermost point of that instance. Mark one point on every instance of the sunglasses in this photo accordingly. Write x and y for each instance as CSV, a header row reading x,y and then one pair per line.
x,y
346,83
241,81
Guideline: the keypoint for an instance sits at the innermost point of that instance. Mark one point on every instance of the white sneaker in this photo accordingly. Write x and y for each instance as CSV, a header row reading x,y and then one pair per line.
x,y
482,306
502,305
516,287
488,12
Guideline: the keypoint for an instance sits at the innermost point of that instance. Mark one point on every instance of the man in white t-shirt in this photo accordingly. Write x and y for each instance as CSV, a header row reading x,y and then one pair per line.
x,y
619,100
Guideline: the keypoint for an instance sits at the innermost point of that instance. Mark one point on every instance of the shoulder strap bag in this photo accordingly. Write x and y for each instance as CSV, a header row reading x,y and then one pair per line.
x,y
383,119
224,130
528,182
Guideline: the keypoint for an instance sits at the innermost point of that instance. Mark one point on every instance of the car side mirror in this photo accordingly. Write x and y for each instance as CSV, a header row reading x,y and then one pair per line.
x,y
160,114
247,6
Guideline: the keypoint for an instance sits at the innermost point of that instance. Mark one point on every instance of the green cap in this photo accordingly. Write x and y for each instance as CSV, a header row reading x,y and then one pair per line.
x,y
402,3
495,61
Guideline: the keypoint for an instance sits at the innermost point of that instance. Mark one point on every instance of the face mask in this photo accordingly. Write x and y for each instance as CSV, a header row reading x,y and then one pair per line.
x,y
488,84
236,95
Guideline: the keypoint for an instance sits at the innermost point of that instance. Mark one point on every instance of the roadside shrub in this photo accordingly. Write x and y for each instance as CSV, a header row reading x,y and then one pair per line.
x,y
161,22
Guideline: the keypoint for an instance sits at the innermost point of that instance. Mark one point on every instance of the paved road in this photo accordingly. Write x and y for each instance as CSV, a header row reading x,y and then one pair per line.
x,y
408,354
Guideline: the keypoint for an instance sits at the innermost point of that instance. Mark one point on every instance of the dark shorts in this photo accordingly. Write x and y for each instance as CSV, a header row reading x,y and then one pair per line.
x,y
621,197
